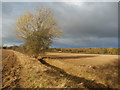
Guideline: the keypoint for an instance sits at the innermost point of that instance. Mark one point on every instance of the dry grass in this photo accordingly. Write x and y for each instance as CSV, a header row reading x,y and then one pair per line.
x,y
33,74
11,70
30,73
100,68
109,74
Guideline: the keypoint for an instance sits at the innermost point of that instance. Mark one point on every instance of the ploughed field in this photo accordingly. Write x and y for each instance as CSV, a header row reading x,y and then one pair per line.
x,y
59,70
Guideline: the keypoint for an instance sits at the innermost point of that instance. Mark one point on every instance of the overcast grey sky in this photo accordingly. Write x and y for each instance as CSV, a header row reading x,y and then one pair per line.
x,y
84,24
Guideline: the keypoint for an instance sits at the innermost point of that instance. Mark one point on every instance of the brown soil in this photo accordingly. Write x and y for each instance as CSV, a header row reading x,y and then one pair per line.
x,y
80,59
21,71
101,68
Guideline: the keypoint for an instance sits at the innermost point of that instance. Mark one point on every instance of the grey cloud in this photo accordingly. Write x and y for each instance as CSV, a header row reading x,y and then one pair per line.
x,y
96,20
9,33
88,25
7,8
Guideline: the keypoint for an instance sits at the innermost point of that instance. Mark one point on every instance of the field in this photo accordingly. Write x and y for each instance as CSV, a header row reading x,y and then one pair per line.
x,y
59,70
101,68
112,51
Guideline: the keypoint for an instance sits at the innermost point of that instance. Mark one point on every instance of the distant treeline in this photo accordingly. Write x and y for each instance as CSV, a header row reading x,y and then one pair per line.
x,y
87,50
16,48
11,47
113,51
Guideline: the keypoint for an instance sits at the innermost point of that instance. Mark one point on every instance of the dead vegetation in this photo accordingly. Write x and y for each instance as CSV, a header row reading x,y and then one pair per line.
x,y
31,73
100,68
11,70
109,73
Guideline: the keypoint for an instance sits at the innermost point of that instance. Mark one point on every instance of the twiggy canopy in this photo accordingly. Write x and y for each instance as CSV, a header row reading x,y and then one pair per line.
x,y
37,29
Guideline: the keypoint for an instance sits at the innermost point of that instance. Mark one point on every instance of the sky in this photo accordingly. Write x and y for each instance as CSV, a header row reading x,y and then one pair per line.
x,y
84,24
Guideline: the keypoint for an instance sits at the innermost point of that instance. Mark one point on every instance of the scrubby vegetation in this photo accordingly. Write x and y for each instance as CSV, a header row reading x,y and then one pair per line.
x,y
112,51
87,50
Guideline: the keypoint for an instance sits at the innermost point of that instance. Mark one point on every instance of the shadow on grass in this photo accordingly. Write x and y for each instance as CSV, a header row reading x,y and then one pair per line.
x,y
66,57
91,85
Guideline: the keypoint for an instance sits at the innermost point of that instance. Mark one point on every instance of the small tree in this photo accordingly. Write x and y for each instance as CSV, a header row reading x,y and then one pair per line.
x,y
37,29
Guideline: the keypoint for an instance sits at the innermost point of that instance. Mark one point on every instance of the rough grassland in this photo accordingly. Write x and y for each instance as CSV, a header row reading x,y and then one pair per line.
x,y
24,72
21,71
100,68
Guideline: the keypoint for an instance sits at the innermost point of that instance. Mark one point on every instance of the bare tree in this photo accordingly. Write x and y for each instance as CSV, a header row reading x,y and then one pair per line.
x,y
37,29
